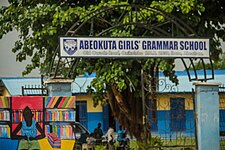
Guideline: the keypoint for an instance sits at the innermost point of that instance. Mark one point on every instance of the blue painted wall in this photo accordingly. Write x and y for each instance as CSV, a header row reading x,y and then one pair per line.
x,y
93,119
162,126
163,123
222,120
8,144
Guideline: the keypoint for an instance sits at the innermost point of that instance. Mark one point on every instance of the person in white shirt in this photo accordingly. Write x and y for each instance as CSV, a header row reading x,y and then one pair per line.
x,y
110,138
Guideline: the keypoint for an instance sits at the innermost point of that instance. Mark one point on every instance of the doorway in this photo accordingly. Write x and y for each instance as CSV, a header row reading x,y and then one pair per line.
x,y
81,113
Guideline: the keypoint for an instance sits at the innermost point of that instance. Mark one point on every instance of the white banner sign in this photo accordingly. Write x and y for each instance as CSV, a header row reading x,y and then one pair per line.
x,y
134,47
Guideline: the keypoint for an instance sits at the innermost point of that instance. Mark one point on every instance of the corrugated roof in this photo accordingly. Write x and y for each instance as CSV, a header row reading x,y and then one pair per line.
x,y
185,85
14,85
80,84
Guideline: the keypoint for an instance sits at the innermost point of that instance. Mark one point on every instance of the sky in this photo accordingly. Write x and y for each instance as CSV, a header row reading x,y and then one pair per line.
x,y
9,67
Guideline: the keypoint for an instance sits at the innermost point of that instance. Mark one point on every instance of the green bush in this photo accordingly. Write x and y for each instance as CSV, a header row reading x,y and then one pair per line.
x,y
154,141
100,147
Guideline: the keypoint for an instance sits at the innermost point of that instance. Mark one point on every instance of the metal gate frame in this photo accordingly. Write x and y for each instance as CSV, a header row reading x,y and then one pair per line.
x,y
59,62
159,128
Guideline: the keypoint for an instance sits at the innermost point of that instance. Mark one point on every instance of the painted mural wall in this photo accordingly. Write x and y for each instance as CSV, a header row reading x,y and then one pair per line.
x,y
5,92
57,115
38,122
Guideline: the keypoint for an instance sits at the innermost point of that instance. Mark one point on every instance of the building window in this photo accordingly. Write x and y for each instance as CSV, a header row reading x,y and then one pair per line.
x,y
177,114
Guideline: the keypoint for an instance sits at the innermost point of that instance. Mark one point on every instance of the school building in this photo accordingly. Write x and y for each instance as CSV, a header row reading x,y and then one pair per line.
x,y
171,113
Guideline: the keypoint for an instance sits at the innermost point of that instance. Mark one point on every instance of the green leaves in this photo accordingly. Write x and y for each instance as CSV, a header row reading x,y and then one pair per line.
x,y
185,7
41,22
111,73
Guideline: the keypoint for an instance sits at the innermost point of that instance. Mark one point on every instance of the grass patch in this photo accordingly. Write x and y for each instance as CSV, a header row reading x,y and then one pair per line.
x,y
156,143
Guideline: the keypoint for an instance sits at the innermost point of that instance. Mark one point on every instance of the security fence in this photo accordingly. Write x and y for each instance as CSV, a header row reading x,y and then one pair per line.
x,y
171,120
222,116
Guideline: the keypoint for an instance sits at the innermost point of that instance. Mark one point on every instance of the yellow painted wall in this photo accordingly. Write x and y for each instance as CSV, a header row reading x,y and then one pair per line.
x,y
222,100
90,106
5,92
163,101
65,145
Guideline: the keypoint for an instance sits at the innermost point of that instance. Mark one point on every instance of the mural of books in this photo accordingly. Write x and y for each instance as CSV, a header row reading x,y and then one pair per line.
x,y
19,103
17,115
4,115
4,131
62,130
4,102
60,115
54,114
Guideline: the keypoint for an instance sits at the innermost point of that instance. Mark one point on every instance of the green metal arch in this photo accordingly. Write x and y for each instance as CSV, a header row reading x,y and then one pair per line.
x,y
173,19
88,21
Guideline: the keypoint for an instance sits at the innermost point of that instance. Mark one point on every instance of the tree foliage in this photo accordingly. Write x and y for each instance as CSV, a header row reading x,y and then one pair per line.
x,y
117,81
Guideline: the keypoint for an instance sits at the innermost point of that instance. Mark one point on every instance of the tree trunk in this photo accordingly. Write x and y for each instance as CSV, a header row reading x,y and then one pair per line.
x,y
127,109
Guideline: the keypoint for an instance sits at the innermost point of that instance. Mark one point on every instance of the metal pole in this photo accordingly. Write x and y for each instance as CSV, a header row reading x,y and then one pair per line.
x,y
143,105
195,118
42,84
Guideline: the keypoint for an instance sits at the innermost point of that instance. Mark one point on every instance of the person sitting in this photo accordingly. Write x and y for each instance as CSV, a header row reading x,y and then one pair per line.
x,y
110,138
90,141
98,133
121,133
28,127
